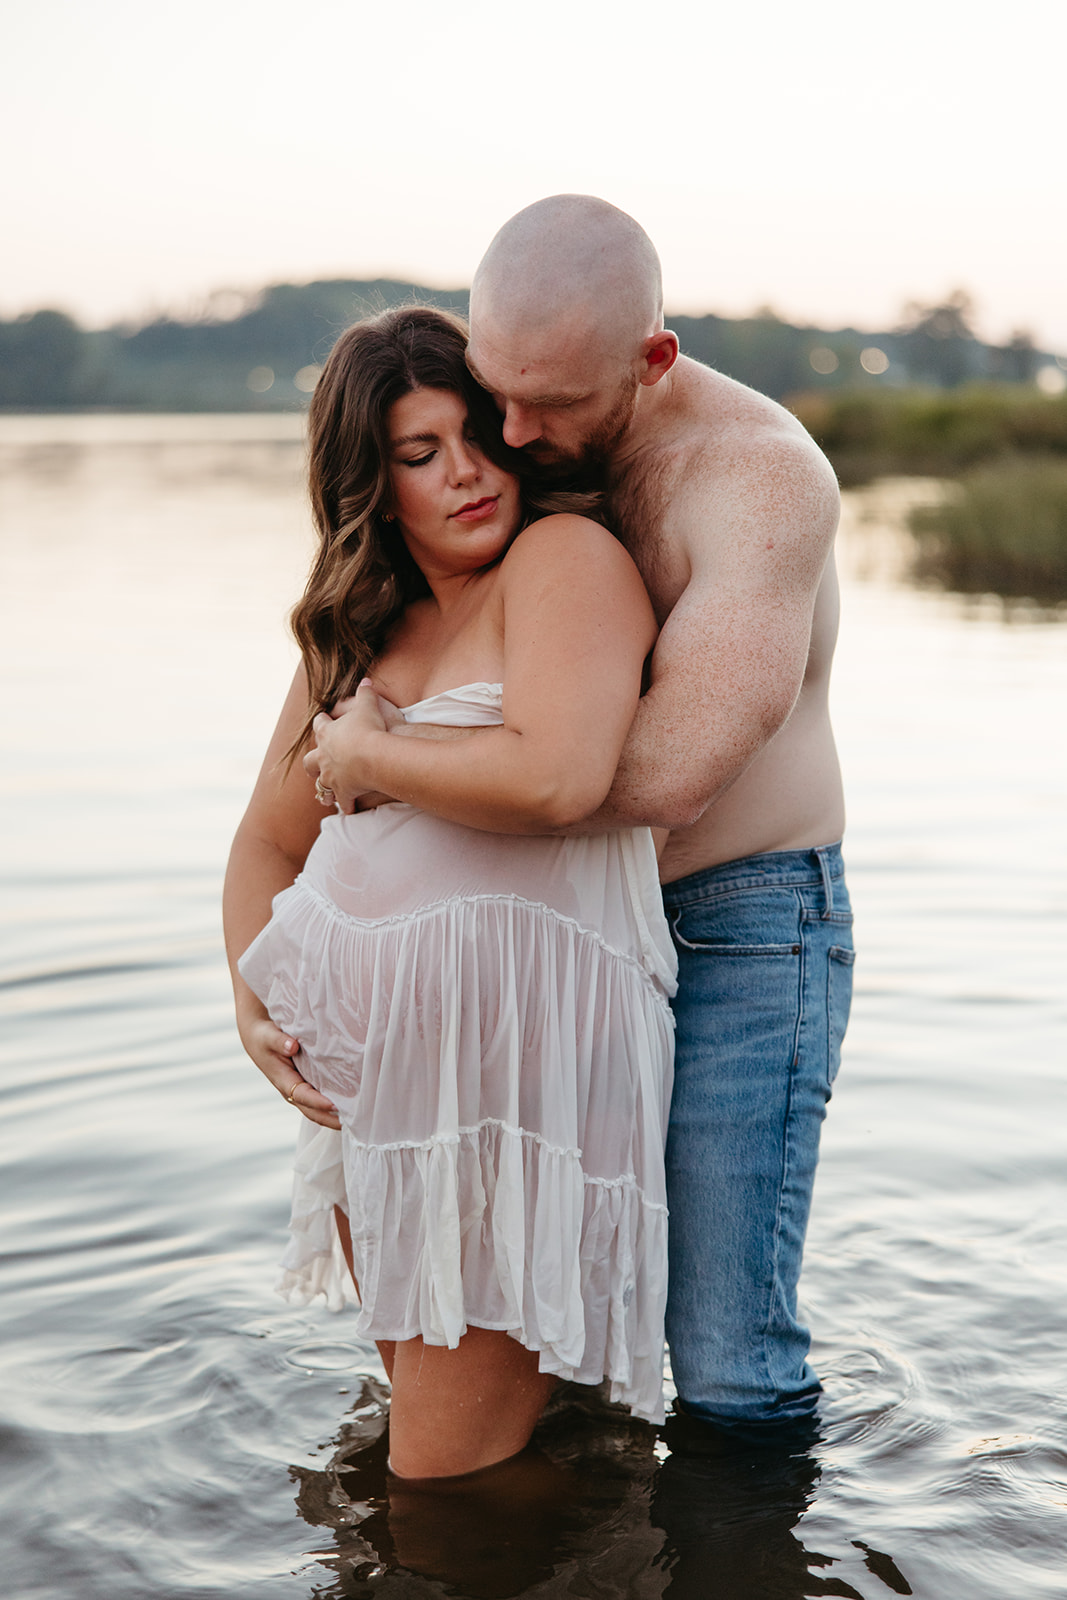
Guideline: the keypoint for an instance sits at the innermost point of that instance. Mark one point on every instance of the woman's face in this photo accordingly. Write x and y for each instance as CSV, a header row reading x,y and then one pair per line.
x,y
456,510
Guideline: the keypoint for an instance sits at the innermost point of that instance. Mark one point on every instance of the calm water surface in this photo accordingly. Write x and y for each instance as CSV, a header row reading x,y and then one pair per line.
x,y
168,1428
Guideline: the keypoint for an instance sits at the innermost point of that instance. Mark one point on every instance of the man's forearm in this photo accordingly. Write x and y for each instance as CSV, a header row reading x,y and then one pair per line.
x,y
672,769
653,784
638,796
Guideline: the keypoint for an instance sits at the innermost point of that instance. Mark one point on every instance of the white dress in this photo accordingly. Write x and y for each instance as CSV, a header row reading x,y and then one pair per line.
x,y
489,1014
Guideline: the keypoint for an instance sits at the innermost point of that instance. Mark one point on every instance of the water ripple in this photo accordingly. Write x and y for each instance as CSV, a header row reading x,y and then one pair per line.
x,y
173,1431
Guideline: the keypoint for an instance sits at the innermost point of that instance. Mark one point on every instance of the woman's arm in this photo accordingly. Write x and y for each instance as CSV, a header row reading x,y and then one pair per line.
x,y
577,627
270,847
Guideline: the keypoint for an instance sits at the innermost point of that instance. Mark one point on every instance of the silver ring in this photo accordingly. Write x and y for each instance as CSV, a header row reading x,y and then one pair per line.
x,y
324,796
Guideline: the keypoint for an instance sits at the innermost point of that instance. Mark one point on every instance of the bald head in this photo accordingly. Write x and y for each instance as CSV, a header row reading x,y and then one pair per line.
x,y
572,261
567,329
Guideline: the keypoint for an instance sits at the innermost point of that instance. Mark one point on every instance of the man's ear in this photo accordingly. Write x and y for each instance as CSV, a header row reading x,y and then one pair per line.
x,y
660,352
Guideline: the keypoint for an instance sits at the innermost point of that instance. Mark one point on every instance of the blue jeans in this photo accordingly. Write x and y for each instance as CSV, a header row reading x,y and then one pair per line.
x,y
764,986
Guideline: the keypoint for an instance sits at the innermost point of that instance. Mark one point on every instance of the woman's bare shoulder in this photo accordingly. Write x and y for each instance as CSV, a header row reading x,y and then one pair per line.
x,y
566,541
574,571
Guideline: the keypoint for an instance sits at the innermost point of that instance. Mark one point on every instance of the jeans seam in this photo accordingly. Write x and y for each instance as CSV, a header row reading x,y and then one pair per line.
x,y
844,957
797,868
745,887
783,1183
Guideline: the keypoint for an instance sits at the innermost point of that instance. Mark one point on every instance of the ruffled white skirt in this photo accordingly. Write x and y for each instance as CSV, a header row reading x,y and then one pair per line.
x,y
490,1016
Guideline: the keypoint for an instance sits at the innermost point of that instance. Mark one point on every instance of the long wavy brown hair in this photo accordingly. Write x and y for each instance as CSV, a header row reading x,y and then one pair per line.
x,y
362,576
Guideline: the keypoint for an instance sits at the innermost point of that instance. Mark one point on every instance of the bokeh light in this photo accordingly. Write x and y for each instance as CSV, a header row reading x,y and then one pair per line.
x,y
1051,380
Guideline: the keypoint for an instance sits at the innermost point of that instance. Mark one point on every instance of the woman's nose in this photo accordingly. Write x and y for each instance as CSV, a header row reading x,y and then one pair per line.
x,y
466,464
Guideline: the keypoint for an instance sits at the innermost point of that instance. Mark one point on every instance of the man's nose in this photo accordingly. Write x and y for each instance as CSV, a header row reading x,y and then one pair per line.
x,y
520,426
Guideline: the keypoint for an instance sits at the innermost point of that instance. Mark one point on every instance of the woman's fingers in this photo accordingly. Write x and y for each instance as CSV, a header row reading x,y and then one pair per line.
x,y
313,1105
273,1052
333,763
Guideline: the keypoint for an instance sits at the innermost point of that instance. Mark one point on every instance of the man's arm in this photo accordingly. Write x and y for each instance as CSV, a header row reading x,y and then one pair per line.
x,y
577,626
730,658
756,530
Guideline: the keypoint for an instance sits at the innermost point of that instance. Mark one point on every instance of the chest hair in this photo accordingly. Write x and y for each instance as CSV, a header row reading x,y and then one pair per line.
x,y
637,502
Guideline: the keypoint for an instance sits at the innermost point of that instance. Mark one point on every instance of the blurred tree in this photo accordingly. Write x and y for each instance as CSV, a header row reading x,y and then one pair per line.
x,y
203,360
41,356
1018,360
938,344
950,319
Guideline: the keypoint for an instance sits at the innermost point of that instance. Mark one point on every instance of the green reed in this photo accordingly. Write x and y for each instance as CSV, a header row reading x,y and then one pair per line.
x,y
1001,528
928,432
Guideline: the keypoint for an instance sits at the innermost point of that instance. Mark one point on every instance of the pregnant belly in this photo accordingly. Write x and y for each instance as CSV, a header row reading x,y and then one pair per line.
x,y
395,861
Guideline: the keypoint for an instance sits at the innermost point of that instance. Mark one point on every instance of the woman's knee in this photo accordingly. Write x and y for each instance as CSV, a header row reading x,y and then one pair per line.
x,y
458,1411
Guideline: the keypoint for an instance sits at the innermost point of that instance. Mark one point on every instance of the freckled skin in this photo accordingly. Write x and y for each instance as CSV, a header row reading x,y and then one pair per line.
x,y
732,746
728,509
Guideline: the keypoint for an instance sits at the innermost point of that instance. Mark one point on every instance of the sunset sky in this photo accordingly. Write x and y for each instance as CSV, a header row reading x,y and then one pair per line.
x,y
831,160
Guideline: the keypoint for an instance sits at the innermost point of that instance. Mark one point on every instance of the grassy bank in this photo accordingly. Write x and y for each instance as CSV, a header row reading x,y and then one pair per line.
x,y
932,432
1000,529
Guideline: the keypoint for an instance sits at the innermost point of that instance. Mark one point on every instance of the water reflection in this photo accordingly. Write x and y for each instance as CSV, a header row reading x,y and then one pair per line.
x,y
729,1526
577,1501
159,1411
875,544
595,1501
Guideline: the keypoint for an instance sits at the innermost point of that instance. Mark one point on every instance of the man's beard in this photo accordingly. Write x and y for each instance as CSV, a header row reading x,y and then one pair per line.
x,y
593,455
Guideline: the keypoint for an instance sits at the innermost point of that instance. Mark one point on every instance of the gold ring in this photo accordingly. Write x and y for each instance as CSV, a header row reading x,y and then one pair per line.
x,y
324,796
290,1098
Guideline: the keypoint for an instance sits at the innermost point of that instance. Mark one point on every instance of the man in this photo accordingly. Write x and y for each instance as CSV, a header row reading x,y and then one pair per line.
x,y
729,510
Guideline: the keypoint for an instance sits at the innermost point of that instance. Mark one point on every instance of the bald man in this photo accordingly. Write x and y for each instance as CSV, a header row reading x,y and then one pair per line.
x,y
729,510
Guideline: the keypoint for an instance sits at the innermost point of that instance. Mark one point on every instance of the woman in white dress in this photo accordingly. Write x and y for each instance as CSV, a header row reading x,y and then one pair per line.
x,y
469,1009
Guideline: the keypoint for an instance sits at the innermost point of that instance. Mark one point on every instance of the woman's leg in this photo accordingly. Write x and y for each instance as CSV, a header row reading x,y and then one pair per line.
x,y
386,1347
459,1410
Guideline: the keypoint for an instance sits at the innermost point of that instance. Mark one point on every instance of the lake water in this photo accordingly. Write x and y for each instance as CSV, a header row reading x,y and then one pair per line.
x,y
168,1428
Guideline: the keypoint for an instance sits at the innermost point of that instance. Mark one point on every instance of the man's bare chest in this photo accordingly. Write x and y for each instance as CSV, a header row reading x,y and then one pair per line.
x,y
664,565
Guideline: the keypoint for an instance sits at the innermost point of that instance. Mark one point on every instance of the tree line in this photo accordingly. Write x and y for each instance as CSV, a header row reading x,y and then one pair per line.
x,y
261,352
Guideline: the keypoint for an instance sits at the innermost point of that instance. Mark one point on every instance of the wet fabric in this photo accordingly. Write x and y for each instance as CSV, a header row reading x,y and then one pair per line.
x,y
490,1015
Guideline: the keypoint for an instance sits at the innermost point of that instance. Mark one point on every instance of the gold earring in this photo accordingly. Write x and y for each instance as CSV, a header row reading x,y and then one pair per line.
x,y
387,516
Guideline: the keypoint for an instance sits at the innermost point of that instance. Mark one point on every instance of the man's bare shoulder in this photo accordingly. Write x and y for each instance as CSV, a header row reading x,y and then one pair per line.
x,y
724,427
741,462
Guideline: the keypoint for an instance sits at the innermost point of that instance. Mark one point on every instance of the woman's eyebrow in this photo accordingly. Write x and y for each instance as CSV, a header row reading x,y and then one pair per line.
x,y
414,438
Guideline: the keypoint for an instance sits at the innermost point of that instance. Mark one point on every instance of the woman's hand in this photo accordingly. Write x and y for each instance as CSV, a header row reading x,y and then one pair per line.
x,y
341,760
273,1052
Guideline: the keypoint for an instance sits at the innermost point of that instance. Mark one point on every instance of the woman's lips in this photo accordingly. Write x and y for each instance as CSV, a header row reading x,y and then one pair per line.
x,y
476,510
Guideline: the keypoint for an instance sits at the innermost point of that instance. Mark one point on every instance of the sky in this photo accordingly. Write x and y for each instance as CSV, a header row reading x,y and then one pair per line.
x,y
833,160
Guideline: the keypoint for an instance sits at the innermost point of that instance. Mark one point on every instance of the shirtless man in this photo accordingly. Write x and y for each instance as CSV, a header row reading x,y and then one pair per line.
x,y
729,510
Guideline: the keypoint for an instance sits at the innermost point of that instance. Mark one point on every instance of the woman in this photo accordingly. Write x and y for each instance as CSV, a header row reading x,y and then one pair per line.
x,y
480,1011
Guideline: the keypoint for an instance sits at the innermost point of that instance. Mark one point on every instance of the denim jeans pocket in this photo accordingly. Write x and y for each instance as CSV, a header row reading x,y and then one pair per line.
x,y
745,924
838,1004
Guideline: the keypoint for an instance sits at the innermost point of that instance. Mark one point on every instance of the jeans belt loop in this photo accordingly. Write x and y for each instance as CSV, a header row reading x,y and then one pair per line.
x,y
827,884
